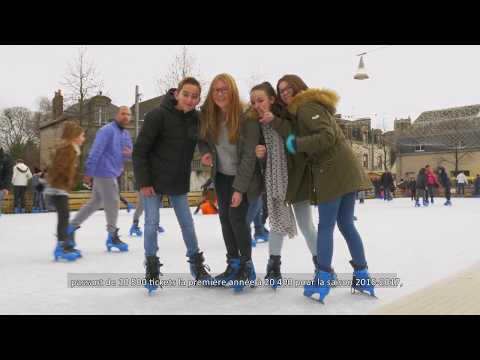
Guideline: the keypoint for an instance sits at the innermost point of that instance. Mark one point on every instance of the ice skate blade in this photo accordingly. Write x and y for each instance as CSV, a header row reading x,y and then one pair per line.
x,y
364,293
311,296
120,249
151,289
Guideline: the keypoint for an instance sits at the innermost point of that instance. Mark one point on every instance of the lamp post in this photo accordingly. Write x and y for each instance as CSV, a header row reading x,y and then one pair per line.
x,y
137,110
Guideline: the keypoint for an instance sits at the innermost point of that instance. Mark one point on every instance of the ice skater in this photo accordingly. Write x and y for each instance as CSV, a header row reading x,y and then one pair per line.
x,y
38,186
112,146
122,199
21,177
274,161
446,183
432,183
388,185
412,187
336,175
5,176
162,158
462,181
135,229
61,178
228,146
421,188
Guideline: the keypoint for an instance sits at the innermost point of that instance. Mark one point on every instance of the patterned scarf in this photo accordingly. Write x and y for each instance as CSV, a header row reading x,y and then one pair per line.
x,y
280,214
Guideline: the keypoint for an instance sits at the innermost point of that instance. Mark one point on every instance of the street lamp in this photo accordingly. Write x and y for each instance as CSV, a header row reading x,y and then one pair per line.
x,y
361,72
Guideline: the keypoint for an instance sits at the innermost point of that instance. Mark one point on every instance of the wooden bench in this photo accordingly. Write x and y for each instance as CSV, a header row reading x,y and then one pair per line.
x,y
79,198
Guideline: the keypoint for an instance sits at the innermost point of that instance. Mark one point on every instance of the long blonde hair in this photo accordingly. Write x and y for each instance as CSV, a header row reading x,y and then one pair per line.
x,y
211,112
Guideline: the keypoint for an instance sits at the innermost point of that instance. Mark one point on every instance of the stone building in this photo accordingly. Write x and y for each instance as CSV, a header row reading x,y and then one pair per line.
x,y
447,137
368,144
97,112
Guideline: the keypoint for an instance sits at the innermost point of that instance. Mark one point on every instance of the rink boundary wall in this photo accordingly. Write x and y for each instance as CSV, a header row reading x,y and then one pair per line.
x,y
79,198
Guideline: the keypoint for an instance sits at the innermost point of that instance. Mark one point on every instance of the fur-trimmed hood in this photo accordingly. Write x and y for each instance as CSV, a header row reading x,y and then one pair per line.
x,y
326,97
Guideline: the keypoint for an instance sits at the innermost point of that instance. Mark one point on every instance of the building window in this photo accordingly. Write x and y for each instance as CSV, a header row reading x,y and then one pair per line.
x,y
365,161
419,148
101,116
380,161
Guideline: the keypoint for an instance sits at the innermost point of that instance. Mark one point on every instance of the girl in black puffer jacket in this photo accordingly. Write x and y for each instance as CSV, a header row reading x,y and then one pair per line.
x,y
446,183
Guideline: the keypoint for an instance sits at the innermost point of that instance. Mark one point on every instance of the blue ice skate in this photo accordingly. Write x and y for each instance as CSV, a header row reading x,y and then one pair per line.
x,y
63,252
362,283
130,207
321,285
225,279
152,273
135,230
113,241
246,277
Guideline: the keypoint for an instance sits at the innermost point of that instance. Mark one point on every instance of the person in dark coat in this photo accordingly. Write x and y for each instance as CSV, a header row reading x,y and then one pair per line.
x,y
477,185
388,184
446,183
421,188
5,175
412,187
162,158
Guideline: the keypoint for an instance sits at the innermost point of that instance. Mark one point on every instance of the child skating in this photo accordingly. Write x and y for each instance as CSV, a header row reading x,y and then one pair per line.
x,y
61,177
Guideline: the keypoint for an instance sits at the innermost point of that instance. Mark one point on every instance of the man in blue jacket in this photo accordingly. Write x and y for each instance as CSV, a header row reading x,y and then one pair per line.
x,y
112,146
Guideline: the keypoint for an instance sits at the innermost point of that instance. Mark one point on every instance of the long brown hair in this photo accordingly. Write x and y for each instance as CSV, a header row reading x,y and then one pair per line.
x,y
211,114
71,130
295,82
277,108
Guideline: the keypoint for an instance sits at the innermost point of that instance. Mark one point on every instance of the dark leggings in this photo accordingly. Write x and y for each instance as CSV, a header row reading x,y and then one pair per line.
x,y
236,231
19,196
60,202
448,193
431,192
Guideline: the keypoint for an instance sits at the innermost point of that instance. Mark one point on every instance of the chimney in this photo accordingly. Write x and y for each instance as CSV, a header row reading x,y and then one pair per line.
x,y
57,105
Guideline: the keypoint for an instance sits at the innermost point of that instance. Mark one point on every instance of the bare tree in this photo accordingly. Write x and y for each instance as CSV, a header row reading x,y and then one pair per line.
x,y
182,66
17,127
82,81
44,105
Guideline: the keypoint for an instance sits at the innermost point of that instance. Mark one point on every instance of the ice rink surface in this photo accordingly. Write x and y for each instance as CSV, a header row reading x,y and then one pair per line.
x,y
420,245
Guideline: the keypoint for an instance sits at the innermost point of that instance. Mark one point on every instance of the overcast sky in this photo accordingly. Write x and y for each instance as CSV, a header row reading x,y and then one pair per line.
x,y
405,80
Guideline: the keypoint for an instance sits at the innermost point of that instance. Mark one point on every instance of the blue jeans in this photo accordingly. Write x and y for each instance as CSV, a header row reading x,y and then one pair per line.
x,y
38,200
254,215
152,205
339,211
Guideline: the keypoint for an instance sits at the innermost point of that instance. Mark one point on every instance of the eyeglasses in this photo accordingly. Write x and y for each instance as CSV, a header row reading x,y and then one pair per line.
x,y
221,91
286,89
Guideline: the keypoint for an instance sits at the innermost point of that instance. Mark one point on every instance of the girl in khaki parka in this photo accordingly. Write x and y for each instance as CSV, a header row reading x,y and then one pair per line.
x,y
325,171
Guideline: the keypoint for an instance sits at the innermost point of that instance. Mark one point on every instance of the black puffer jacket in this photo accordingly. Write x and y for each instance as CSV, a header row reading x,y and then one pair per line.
x,y
163,152
5,170
443,177
387,180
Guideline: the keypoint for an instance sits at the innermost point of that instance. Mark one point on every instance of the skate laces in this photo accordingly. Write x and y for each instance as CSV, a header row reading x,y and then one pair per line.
x,y
153,266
